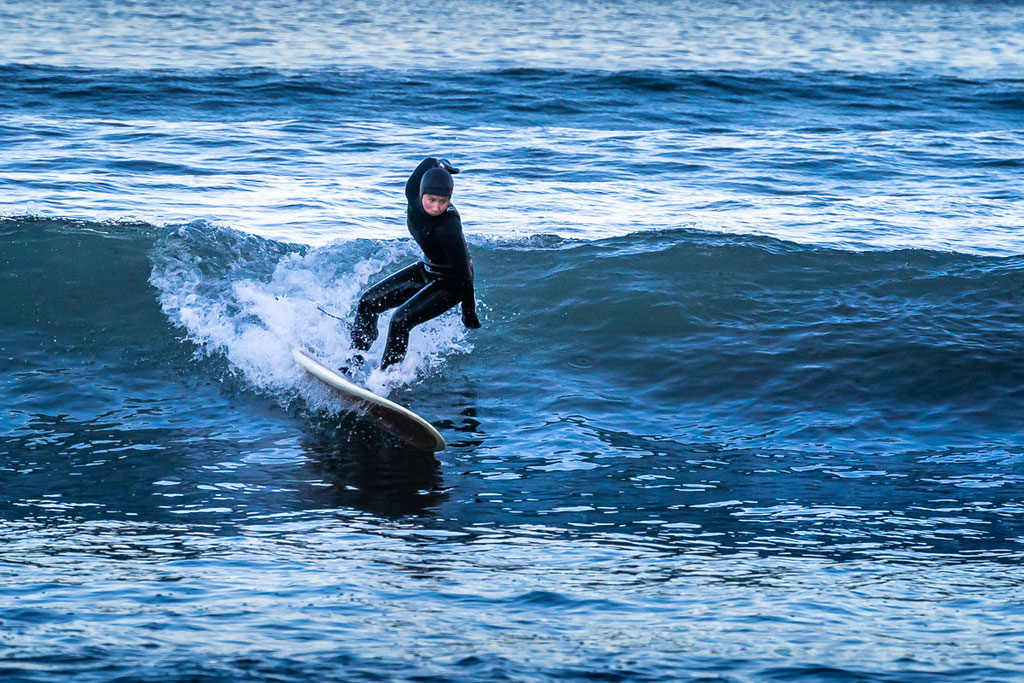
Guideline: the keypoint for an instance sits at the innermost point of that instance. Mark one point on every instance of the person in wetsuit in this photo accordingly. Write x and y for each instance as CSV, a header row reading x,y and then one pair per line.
x,y
428,288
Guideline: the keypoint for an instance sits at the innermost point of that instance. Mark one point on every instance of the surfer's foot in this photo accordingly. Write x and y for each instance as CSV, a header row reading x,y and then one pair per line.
x,y
352,362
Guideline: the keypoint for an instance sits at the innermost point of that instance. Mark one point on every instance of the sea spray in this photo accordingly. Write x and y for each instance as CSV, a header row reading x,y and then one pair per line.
x,y
252,300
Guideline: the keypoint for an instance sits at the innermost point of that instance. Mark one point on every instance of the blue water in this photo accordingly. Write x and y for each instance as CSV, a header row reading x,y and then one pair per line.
x,y
747,401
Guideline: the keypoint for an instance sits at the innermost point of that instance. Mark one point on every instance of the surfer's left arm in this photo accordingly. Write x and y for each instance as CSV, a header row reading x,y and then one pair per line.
x,y
469,317
454,244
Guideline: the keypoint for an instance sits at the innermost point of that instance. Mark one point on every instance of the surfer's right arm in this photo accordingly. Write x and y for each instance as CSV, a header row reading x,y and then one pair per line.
x,y
412,186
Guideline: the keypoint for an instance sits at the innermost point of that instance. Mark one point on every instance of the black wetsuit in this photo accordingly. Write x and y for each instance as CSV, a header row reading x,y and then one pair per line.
x,y
425,289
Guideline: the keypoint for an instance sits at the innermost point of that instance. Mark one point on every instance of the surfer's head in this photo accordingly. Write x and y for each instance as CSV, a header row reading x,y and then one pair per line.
x,y
436,191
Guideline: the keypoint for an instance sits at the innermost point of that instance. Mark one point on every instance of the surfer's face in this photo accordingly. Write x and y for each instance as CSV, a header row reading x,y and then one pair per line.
x,y
435,204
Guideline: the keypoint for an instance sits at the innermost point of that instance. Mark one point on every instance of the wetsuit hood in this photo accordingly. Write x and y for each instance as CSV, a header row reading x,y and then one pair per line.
x,y
437,181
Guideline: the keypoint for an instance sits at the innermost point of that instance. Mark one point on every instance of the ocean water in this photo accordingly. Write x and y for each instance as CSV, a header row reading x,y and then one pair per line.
x,y
746,404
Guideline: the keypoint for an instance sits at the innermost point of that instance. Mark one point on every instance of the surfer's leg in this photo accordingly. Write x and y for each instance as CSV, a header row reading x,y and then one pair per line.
x,y
392,291
428,303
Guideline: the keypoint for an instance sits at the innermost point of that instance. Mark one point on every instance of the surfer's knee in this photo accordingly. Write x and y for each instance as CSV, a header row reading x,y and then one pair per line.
x,y
364,329
365,306
401,322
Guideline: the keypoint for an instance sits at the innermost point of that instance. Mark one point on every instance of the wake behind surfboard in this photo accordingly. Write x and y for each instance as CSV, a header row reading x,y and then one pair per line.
x,y
399,421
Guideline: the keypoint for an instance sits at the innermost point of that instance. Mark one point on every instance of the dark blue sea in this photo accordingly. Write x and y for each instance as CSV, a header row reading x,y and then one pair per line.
x,y
748,399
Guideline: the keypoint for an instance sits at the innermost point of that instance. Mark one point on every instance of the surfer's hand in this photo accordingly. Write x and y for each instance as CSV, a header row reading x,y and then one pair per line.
x,y
470,320
447,165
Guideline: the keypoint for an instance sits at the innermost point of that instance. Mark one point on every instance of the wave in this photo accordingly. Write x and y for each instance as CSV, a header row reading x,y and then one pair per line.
x,y
817,100
647,322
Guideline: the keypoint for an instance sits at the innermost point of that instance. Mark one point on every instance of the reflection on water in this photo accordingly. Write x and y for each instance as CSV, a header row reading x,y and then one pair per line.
x,y
359,465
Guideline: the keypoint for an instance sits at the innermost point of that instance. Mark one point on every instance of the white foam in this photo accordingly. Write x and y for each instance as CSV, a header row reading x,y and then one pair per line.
x,y
254,322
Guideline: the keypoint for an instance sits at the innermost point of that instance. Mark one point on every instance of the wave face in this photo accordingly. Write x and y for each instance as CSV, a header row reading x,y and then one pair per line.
x,y
655,333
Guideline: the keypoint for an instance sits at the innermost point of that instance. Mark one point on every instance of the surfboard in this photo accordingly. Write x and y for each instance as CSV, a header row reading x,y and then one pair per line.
x,y
393,418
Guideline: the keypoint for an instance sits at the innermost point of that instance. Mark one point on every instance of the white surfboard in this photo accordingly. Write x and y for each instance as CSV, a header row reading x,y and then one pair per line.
x,y
400,421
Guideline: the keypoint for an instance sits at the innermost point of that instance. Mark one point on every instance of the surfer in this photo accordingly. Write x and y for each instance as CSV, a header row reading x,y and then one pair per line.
x,y
433,285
